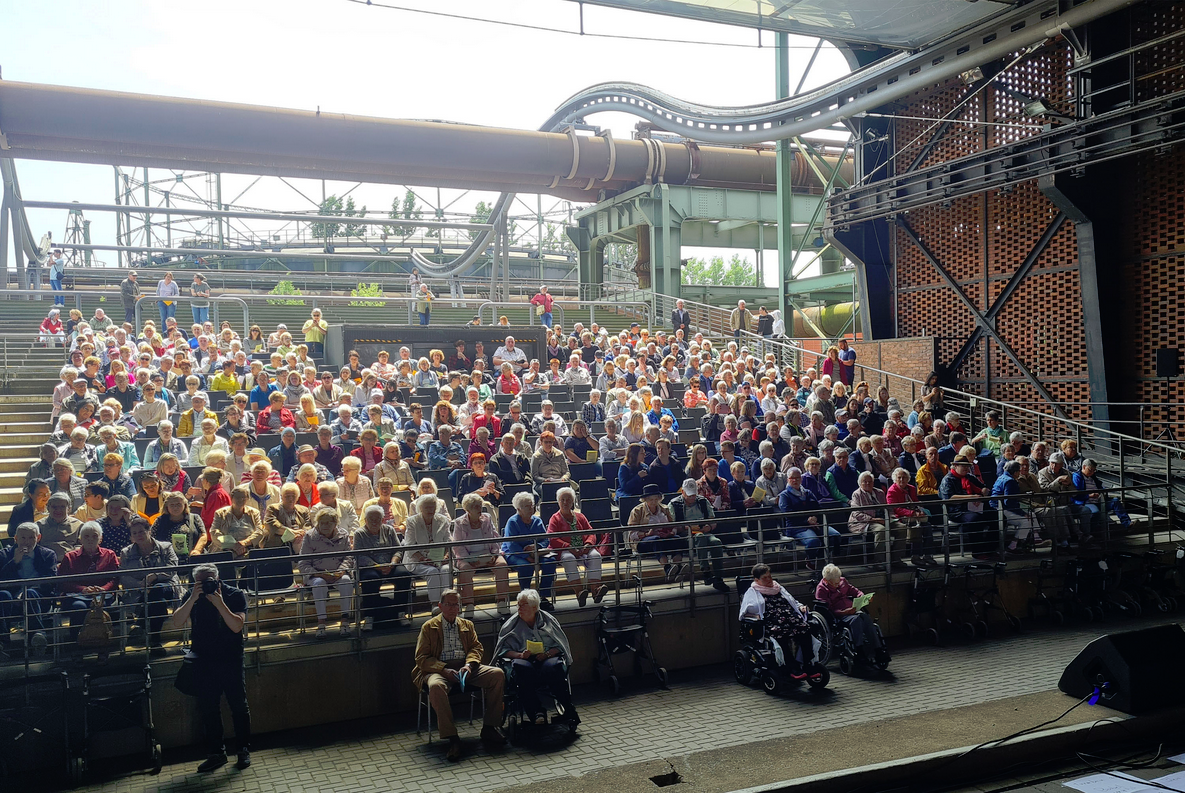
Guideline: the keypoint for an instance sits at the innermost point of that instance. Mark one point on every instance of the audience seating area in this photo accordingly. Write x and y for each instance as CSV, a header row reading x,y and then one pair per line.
x,y
857,478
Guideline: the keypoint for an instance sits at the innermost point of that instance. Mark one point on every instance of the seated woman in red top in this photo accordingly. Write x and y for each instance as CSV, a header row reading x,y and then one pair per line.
x,y
88,558
836,594
574,550
275,416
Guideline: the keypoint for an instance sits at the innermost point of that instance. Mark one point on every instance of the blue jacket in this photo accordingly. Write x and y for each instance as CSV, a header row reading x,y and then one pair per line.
x,y
45,565
654,416
798,507
737,493
669,477
1006,486
516,527
1081,484
846,479
629,483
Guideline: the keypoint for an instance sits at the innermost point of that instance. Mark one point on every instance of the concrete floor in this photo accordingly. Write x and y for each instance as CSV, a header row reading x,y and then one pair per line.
x,y
715,734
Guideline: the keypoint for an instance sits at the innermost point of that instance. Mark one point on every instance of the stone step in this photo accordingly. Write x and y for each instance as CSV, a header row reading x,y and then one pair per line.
x,y
34,439
23,428
13,478
19,465
11,495
21,399
40,416
20,450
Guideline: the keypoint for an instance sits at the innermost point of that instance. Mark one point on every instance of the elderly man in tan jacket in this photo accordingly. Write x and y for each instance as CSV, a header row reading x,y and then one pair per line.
x,y
740,319
448,656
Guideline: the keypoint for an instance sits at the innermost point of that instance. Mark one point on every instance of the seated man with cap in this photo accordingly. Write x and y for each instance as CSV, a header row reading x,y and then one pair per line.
x,y
307,455
191,420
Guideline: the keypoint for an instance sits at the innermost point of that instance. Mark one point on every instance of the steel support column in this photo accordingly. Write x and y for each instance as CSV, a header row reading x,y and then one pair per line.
x,y
983,322
1100,251
4,242
785,162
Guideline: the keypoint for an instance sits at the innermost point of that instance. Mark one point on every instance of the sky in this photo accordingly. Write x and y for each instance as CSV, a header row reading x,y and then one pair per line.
x,y
352,58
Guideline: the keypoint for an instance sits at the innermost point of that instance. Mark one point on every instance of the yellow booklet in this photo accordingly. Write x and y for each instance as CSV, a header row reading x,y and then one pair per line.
x,y
227,541
534,648
591,455
181,544
759,494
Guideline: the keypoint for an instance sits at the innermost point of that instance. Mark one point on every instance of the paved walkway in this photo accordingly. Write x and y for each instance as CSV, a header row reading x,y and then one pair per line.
x,y
642,725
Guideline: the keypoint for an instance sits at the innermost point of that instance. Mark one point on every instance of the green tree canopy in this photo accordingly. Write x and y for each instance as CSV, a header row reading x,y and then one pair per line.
x,y
714,272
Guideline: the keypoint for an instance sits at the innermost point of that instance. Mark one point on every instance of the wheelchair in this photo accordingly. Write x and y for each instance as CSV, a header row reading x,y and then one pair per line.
x,y
763,660
839,643
518,724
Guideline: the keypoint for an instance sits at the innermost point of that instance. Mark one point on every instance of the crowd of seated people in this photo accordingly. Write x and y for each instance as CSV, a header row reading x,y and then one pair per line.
x,y
203,442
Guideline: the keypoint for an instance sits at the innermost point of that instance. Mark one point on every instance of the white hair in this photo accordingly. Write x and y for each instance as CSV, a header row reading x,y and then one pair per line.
x,y
832,573
528,595
523,499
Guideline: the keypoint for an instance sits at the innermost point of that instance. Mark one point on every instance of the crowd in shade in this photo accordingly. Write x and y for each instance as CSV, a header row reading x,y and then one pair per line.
x,y
171,443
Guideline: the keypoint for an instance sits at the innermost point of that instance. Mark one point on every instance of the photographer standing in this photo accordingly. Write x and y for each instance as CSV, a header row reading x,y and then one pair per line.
x,y
218,613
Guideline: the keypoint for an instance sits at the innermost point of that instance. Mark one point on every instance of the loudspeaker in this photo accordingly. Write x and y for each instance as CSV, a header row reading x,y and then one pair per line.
x,y
1136,671
1168,362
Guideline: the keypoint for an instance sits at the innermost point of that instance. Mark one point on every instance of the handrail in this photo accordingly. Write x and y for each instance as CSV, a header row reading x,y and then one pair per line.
x,y
839,512
1112,442
561,304
78,294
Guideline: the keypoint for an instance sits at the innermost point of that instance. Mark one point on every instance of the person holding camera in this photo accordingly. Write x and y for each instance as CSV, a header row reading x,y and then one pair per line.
x,y
217,613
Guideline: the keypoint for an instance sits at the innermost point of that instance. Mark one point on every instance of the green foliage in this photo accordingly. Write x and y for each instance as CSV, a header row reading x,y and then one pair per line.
x,y
405,209
481,214
354,229
367,290
738,272
336,206
330,206
285,288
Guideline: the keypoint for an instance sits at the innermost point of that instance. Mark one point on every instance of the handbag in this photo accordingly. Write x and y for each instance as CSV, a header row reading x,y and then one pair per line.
x,y
188,680
96,630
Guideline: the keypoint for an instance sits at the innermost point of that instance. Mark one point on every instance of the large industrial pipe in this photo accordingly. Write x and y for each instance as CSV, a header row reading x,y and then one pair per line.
x,y
44,122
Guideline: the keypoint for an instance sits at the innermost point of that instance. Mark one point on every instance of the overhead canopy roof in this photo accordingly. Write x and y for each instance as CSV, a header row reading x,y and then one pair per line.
x,y
902,24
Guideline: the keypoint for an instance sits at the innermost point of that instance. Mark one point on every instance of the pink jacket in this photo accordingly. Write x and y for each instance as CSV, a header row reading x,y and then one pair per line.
x,y
903,495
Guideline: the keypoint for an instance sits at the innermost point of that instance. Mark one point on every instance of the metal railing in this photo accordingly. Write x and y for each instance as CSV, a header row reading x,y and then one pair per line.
x,y
334,281
112,296
1130,451
561,309
767,538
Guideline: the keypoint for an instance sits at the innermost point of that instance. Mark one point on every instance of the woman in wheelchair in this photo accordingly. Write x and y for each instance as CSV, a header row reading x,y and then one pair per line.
x,y
834,593
784,619
535,653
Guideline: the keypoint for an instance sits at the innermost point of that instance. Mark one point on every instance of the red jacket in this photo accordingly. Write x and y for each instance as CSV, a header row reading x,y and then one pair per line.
x,y
215,499
558,524
75,563
264,422
376,454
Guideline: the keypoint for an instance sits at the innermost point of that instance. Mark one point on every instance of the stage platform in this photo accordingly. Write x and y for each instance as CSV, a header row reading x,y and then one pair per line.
x,y
716,735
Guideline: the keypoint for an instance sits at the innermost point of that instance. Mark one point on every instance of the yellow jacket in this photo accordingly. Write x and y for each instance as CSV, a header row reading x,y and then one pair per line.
x,y
927,482
187,423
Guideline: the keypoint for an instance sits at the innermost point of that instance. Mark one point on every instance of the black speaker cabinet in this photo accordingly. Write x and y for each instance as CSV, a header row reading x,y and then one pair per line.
x,y
1168,362
1142,670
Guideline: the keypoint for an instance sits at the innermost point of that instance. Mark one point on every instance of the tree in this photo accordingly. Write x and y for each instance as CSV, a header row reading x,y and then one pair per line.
x,y
407,209
739,272
330,206
481,214
354,229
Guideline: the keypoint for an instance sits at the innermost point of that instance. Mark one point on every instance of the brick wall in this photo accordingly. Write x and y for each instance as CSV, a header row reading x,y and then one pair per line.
x,y
912,358
981,240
